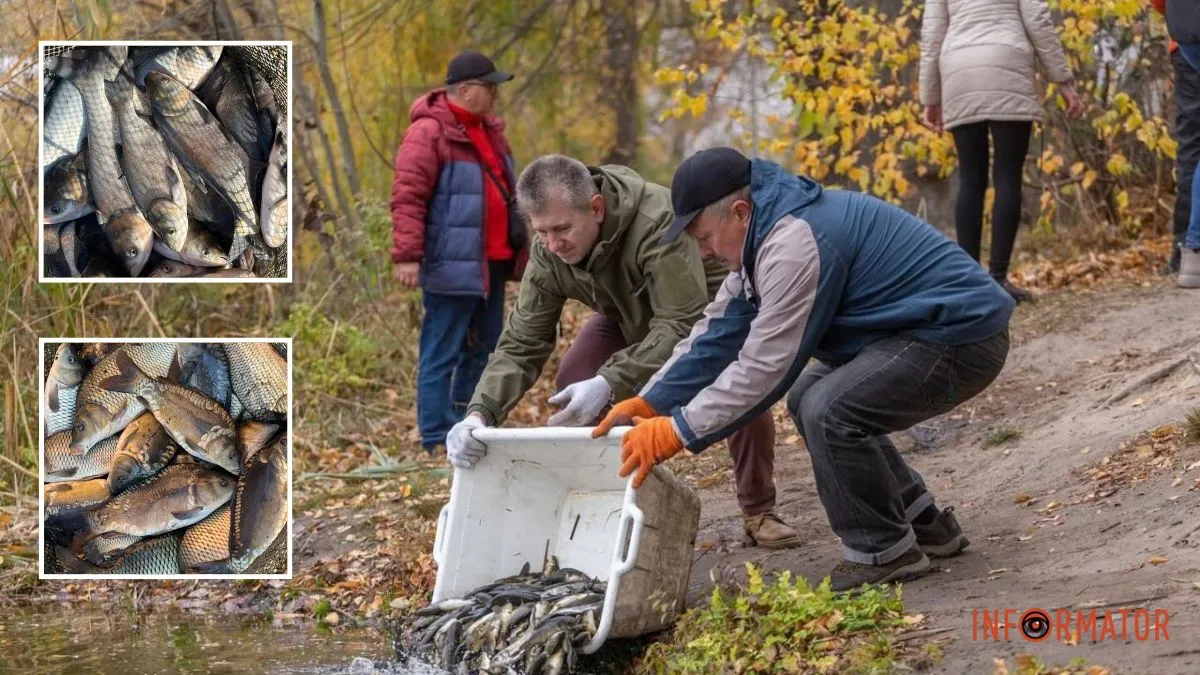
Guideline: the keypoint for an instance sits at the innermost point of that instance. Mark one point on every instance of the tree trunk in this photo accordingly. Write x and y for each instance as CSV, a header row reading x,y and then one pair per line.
x,y
346,206
620,82
335,101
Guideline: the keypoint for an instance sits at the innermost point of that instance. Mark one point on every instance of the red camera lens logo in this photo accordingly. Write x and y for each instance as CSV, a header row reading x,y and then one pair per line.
x,y
1035,625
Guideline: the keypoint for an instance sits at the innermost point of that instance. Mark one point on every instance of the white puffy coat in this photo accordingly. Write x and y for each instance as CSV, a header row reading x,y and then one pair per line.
x,y
978,58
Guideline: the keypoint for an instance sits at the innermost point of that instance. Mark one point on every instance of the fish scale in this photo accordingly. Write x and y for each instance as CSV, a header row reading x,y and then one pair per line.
x,y
64,125
115,410
157,555
205,149
259,505
62,389
103,550
206,541
62,466
161,503
149,168
199,424
259,377
143,450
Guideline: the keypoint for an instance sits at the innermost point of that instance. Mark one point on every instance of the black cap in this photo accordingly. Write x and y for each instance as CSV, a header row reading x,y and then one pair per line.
x,y
704,179
474,66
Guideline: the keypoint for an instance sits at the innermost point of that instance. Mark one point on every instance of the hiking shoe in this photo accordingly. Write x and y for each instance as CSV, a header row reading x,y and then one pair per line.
x,y
767,530
850,575
943,537
1172,266
1189,268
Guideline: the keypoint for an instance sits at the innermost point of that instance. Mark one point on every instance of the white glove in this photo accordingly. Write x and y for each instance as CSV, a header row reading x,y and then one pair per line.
x,y
461,447
583,401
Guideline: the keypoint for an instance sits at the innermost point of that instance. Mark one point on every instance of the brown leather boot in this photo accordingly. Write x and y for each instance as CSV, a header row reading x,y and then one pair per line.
x,y
766,530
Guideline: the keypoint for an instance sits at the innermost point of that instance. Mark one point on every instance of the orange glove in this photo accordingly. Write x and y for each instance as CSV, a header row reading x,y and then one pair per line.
x,y
623,414
649,442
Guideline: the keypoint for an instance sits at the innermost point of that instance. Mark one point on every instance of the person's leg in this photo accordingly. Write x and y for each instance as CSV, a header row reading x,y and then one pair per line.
x,y
753,450
1187,134
443,336
1011,143
596,342
888,387
487,322
971,143
1189,263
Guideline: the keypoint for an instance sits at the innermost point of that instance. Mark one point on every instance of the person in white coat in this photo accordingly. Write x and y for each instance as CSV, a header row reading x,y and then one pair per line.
x,y
978,77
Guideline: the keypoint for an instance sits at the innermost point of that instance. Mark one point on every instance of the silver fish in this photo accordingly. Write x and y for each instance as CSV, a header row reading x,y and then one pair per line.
x,y
189,65
65,124
260,382
202,249
206,150
62,466
173,269
66,195
205,369
273,219
124,225
149,168
62,389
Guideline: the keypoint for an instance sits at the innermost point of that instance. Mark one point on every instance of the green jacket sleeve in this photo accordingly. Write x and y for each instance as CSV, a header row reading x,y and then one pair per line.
x,y
527,341
678,293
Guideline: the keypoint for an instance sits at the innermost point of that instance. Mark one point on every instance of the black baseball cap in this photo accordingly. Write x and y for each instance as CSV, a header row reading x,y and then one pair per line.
x,y
704,179
474,66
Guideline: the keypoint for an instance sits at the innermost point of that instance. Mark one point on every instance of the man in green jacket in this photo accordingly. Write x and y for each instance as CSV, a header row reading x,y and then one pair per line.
x,y
598,242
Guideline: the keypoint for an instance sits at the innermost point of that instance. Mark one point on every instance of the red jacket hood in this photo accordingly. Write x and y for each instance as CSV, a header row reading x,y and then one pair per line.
x,y
434,105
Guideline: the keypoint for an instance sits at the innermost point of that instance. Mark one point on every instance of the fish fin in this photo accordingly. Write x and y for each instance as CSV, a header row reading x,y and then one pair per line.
x,y
184,515
71,564
174,373
62,473
57,487
79,543
52,390
223,566
127,377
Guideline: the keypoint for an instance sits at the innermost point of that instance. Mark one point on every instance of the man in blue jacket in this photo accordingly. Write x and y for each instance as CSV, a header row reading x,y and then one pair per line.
x,y
904,326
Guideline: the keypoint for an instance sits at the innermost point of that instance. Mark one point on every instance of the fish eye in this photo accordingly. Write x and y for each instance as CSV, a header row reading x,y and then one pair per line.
x,y
224,482
204,252
132,252
79,427
56,209
171,231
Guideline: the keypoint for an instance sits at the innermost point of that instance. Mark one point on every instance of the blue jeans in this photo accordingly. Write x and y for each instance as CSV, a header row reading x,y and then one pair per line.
x,y
1191,52
458,334
869,492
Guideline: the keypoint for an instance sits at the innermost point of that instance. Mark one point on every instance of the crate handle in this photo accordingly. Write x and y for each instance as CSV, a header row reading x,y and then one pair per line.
x,y
439,535
631,514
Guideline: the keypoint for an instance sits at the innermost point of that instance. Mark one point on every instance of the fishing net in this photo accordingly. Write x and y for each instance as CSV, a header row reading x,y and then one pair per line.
x,y
269,61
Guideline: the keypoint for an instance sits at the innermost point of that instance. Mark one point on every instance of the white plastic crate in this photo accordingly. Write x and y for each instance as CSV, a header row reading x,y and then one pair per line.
x,y
554,491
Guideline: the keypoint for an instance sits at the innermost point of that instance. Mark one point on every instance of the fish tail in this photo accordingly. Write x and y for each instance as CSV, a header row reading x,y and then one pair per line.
x,y
128,376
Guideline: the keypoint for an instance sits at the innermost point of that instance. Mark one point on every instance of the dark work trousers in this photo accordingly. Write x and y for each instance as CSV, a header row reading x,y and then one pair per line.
x,y
869,492
752,446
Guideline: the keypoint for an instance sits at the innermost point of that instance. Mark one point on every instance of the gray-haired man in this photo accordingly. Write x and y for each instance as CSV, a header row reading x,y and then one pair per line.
x,y
599,232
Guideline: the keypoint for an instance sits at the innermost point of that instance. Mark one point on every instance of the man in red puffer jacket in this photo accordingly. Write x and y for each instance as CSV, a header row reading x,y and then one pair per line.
x,y
457,234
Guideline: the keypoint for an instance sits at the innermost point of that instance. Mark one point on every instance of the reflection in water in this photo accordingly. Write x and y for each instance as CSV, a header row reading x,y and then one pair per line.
x,y
73,639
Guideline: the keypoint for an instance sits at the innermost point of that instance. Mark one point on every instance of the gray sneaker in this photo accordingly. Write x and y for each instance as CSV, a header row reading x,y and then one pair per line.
x,y
943,537
850,575
1189,268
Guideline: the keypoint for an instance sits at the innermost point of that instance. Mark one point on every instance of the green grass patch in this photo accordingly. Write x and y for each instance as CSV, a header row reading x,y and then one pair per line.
x,y
784,627
1001,436
1192,426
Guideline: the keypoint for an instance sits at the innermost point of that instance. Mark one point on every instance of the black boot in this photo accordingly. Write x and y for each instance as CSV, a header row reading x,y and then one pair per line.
x,y
1018,294
1172,267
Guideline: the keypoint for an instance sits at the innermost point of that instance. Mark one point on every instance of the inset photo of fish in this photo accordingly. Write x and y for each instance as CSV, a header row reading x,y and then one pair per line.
x,y
165,161
166,458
